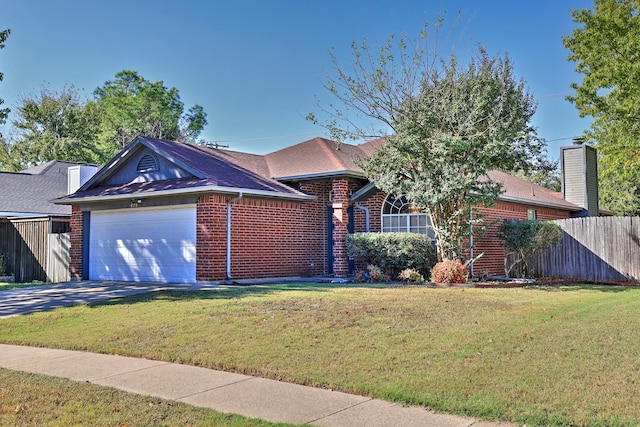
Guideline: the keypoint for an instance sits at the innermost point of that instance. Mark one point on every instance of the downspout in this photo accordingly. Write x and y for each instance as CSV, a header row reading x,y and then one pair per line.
x,y
471,241
235,199
366,215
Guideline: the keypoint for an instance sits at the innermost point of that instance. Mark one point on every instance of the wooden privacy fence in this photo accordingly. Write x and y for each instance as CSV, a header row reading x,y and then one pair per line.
x,y
33,252
597,249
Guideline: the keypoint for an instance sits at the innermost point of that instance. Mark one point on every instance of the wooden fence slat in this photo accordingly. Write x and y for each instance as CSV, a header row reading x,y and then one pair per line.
x,y
33,252
597,249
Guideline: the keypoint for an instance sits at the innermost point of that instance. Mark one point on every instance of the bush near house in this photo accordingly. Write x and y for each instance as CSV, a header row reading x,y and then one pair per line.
x,y
522,239
450,271
393,252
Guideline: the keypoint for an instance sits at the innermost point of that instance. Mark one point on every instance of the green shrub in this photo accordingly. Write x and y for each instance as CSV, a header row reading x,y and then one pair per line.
x,y
522,239
393,252
449,271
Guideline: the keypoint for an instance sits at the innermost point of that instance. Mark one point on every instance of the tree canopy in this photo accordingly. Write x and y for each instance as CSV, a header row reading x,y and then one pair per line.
x,y
4,112
130,106
451,121
54,125
67,126
606,50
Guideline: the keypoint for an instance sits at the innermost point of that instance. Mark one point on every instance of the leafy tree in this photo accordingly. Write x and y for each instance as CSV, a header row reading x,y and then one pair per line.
x,y
65,125
452,121
131,106
4,112
5,158
606,50
54,125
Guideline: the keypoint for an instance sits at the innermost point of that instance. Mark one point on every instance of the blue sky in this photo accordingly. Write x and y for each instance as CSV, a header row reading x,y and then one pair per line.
x,y
257,67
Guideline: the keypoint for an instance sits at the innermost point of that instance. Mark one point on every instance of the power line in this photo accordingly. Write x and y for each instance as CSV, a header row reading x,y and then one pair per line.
x,y
264,138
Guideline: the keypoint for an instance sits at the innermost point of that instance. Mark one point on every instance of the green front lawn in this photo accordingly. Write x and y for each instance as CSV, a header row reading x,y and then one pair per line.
x,y
540,356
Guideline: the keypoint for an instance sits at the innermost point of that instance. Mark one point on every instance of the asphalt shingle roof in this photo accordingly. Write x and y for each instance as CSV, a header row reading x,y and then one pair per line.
x,y
315,158
32,190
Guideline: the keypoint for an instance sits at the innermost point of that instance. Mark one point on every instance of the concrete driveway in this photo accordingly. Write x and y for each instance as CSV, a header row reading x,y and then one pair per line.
x,y
46,297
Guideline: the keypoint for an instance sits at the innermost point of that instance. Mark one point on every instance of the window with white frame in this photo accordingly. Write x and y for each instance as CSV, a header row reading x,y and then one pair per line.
x,y
400,215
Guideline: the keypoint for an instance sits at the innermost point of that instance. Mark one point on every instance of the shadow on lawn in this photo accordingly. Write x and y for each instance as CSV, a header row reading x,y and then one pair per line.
x,y
243,291
232,292
572,287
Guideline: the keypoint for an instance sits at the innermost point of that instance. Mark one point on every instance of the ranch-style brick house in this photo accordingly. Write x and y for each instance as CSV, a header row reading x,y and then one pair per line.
x,y
166,211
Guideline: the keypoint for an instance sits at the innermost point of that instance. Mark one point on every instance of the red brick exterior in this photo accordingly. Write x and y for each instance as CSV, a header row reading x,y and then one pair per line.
x,y
492,262
374,204
269,238
211,235
340,205
276,238
76,242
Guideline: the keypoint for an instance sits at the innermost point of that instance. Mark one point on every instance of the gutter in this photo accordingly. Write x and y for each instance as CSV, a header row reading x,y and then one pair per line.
x,y
471,241
366,215
545,204
189,190
310,176
235,199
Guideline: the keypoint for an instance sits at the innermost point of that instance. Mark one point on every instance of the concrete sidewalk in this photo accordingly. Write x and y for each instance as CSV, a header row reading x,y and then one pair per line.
x,y
224,391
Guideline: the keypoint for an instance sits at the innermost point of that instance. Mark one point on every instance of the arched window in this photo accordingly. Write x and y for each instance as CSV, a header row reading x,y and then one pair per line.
x,y
400,215
147,163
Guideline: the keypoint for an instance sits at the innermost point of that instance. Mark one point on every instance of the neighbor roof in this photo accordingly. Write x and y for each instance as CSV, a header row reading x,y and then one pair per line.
x,y
31,191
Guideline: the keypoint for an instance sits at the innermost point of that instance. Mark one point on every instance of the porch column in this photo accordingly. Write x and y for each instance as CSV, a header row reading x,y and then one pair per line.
x,y
340,219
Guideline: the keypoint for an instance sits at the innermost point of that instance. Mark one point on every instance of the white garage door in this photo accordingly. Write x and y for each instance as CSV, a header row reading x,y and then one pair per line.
x,y
149,245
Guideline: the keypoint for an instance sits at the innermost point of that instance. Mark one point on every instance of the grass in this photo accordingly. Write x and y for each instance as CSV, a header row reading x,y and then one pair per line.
x,y
39,400
540,356
10,285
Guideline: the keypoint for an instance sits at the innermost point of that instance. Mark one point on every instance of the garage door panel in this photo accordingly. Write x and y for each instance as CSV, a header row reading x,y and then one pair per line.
x,y
144,245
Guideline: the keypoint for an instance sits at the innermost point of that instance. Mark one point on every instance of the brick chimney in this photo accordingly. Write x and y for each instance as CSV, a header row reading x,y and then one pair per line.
x,y
579,165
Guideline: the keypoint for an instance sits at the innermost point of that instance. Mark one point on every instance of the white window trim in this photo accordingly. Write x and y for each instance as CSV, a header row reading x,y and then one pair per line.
x,y
408,216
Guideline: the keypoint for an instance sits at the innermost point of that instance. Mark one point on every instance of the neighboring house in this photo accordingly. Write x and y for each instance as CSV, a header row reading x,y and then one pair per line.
x,y
172,212
33,230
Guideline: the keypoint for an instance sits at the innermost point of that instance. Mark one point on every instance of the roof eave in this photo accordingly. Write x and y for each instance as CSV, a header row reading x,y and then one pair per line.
x,y
194,190
11,215
541,203
321,175
139,140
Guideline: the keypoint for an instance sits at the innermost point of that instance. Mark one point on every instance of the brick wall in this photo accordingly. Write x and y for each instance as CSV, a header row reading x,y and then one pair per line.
x,y
76,243
269,238
492,262
340,204
374,204
211,235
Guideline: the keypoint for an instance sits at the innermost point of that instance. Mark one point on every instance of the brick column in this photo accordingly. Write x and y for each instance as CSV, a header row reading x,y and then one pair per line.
x,y
76,250
210,238
340,205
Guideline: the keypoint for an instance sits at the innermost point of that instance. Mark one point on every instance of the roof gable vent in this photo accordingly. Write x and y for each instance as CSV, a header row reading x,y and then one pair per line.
x,y
147,163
